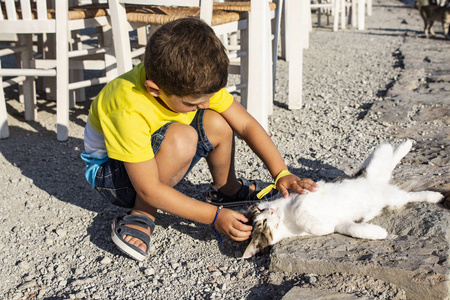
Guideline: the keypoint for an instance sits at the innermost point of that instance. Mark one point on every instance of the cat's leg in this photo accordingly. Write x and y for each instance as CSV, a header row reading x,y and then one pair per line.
x,y
401,152
379,167
398,198
426,196
362,230
384,159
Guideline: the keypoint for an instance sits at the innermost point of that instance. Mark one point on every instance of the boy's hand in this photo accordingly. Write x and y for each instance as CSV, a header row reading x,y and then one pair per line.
x,y
231,223
295,184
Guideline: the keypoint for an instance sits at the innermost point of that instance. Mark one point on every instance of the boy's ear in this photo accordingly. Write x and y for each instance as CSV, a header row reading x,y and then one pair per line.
x,y
153,88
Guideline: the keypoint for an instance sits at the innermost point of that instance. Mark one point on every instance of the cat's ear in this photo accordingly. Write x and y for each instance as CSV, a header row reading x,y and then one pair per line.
x,y
251,213
251,250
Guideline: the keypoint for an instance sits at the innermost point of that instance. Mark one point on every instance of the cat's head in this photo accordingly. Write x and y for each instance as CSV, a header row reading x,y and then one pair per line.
x,y
265,221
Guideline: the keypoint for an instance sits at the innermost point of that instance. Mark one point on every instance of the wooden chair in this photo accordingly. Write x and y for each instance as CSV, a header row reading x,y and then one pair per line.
x,y
293,22
253,51
275,8
31,19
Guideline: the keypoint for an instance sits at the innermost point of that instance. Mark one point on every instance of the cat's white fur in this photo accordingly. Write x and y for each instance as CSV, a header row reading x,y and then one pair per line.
x,y
343,207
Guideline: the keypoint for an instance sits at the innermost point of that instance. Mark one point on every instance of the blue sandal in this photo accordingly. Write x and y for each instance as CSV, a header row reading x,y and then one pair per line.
x,y
242,197
119,229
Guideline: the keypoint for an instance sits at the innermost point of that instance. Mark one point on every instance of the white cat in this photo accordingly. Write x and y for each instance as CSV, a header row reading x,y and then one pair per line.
x,y
343,207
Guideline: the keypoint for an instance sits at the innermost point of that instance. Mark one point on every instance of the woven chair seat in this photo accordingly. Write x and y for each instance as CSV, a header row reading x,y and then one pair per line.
x,y
85,12
159,15
75,13
239,5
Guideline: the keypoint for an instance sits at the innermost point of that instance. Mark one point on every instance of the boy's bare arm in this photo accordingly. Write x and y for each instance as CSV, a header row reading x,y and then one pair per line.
x,y
145,179
260,142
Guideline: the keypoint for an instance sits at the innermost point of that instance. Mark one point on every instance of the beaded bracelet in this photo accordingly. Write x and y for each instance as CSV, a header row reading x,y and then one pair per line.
x,y
214,222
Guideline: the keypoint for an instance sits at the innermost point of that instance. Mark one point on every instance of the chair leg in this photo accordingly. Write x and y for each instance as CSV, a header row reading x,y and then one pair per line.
x,y
276,37
294,8
353,17
62,75
283,30
29,88
121,38
369,7
142,36
20,85
110,58
270,63
77,95
50,82
343,23
306,22
259,54
361,14
244,67
4,130
337,9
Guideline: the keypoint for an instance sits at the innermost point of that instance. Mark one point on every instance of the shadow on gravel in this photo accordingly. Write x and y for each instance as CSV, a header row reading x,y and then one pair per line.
x,y
281,105
318,170
56,167
272,291
391,32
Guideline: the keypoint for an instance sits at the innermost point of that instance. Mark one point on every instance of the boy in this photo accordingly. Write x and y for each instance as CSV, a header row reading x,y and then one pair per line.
x,y
148,127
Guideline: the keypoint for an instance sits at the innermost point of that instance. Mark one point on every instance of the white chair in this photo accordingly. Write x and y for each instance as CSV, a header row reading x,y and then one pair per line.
x,y
327,8
275,8
295,27
295,16
340,9
254,52
35,18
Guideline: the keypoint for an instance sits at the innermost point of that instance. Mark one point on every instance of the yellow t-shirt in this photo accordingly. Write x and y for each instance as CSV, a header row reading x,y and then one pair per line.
x,y
124,115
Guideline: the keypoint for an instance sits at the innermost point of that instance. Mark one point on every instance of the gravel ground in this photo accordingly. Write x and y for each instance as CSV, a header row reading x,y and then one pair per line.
x,y
55,241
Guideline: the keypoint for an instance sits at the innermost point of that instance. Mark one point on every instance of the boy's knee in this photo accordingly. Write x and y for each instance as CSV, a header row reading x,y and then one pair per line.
x,y
182,139
216,125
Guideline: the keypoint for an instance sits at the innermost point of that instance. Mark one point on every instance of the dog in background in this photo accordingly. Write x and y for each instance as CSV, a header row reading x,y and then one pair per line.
x,y
434,10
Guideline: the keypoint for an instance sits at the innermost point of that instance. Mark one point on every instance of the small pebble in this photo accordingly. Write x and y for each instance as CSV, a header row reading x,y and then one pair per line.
x,y
106,260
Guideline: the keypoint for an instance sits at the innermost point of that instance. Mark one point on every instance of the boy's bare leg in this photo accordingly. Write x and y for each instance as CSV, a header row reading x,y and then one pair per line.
x,y
173,160
221,160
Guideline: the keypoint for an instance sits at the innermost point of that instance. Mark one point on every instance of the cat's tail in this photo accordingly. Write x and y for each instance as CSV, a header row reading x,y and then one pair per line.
x,y
379,165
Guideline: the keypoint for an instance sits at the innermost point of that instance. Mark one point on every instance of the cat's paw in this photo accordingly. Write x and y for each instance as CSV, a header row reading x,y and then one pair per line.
x,y
363,231
372,232
403,148
434,197
378,233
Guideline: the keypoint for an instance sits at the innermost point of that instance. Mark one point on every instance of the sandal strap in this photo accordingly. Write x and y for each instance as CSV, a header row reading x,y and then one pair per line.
x,y
139,220
242,193
244,190
259,185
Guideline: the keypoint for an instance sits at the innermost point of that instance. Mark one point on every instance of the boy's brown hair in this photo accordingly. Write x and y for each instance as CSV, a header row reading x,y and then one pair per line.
x,y
185,58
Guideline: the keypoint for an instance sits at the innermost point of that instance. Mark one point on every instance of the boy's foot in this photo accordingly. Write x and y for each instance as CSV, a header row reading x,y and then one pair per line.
x,y
130,232
243,197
